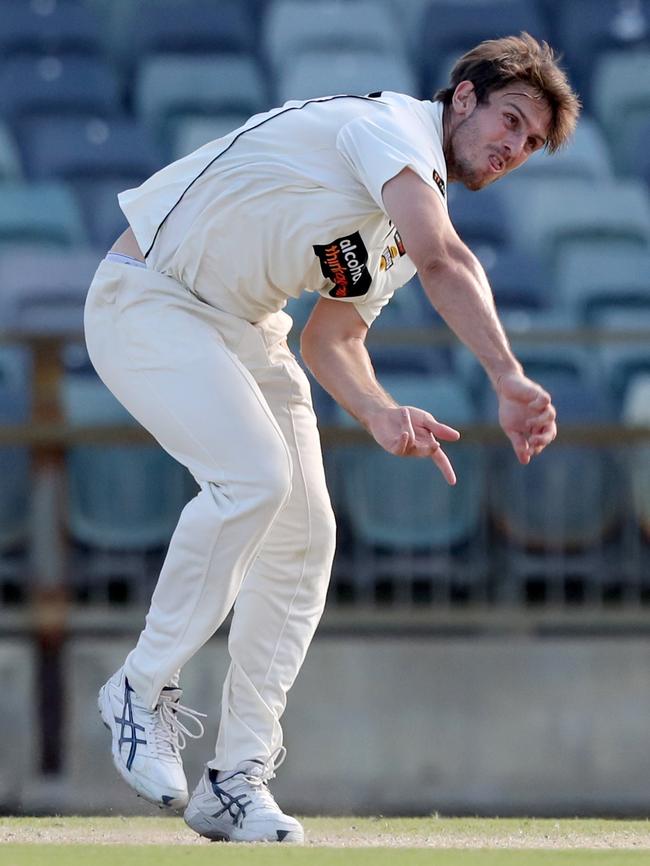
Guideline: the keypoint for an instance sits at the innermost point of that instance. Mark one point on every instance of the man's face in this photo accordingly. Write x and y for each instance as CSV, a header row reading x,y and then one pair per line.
x,y
485,142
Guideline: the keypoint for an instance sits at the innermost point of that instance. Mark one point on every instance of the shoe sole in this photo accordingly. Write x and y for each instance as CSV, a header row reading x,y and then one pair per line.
x,y
140,787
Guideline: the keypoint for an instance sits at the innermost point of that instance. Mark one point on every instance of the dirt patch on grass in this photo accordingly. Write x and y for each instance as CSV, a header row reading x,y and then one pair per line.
x,y
345,833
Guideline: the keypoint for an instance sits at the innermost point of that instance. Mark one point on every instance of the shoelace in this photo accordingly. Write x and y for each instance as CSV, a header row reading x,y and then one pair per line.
x,y
259,781
172,734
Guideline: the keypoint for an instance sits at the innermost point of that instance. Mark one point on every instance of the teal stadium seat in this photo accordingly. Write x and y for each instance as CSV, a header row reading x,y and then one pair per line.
x,y
43,290
293,28
400,511
170,87
120,498
325,73
44,213
621,99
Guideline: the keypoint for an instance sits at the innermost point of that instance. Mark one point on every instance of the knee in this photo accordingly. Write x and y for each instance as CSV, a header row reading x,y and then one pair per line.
x,y
271,478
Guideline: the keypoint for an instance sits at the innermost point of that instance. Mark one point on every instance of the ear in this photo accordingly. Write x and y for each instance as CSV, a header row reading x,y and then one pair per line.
x,y
464,99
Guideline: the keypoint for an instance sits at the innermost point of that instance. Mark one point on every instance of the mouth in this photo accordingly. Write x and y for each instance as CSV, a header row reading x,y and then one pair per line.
x,y
496,163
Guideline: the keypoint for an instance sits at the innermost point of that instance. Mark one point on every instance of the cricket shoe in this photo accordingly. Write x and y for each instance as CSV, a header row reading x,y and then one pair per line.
x,y
147,743
237,806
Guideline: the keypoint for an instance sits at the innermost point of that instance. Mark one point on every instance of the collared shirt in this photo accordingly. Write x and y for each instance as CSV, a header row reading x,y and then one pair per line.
x,y
291,201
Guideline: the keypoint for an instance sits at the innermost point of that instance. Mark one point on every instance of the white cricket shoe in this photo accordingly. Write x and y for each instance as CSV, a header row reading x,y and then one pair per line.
x,y
237,806
147,743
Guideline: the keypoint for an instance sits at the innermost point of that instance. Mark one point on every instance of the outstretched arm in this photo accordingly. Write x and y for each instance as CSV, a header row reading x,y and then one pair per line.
x,y
333,347
457,286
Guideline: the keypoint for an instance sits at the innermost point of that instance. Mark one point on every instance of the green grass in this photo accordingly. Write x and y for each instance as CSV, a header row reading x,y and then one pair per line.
x,y
330,842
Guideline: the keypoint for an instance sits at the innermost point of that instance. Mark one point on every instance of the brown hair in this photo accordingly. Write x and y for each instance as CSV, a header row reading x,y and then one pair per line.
x,y
495,63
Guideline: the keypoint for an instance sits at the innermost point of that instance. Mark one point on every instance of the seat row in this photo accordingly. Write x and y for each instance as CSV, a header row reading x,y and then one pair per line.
x,y
123,501
279,30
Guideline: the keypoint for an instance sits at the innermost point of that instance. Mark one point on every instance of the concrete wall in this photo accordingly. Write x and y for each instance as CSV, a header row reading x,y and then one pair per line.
x,y
489,725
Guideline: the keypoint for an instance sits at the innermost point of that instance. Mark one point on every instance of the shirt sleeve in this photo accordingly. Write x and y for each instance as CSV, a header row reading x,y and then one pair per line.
x,y
377,148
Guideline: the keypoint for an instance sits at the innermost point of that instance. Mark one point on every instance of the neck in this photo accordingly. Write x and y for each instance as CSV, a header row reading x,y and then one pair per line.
x,y
446,143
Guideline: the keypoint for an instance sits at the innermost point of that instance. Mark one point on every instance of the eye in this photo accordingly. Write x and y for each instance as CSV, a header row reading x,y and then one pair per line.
x,y
512,120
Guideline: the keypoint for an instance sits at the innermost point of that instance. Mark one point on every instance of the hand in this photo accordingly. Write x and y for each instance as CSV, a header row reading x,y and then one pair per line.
x,y
409,432
526,415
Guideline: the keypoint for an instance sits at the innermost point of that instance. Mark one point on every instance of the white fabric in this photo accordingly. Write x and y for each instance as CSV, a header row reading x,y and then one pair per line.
x,y
238,220
228,400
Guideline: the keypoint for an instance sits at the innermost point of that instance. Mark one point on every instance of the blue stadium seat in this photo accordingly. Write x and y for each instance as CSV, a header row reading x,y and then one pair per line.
x,y
62,84
325,73
15,388
520,281
399,508
588,28
622,359
636,413
590,280
568,499
451,27
10,162
200,26
120,498
45,213
78,148
480,219
293,28
103,216
170,87
548,215
586,156
621,98
43,291
48,27
190,133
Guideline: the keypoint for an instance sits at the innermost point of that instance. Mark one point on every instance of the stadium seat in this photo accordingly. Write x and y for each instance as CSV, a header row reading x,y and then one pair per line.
x,y
75,148
48,27
120,498
10,163
621,97
190,133
587,28
293,28
43,291
401,510
448,28
624,350
479,218
555,516
324,73
15,386
408,315
520,281
62,84
591,279
169,87
636,413
586,156
547,215
44,213
103,216
634,153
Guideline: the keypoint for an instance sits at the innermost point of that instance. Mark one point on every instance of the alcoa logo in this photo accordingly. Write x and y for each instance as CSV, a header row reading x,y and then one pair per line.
x,y
344,262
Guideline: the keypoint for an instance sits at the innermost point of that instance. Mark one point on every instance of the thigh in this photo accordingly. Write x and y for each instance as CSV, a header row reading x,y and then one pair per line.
x,y
171,361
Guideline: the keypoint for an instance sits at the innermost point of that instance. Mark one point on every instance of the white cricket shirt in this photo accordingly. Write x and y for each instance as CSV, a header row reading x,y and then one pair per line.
x,y
289,202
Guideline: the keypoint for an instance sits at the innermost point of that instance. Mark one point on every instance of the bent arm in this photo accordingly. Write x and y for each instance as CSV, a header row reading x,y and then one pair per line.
x,y
458,288
333,347
450,273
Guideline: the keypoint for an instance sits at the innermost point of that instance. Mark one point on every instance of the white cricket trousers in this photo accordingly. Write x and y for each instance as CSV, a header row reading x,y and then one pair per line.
x,y
228,400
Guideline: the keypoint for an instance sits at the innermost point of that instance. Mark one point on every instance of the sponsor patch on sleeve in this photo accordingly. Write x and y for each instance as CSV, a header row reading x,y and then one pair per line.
x,y
344,261
439,182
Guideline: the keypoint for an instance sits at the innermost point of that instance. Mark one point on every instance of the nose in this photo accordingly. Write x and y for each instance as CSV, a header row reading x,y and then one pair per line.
x,y
513,147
